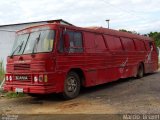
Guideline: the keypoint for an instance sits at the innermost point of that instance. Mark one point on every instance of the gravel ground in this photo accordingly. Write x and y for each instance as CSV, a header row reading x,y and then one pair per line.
x,y
125,96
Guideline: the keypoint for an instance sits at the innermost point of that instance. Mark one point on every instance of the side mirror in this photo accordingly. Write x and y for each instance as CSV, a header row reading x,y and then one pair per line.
x,y
66,41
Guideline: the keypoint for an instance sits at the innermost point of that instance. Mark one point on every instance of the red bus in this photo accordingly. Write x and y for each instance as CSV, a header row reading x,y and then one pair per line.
x,y
58,58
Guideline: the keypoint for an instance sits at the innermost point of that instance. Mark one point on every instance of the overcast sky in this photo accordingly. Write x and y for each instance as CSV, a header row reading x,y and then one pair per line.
x,y
140,15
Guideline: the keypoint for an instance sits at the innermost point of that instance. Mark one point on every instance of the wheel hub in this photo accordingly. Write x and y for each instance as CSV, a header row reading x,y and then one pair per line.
x,y
71,84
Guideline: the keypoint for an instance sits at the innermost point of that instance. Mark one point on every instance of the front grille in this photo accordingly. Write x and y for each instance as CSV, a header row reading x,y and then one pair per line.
x,y
38,66
21,66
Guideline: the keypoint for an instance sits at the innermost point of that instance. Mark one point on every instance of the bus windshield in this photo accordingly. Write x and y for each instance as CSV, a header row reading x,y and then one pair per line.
x,y
35,42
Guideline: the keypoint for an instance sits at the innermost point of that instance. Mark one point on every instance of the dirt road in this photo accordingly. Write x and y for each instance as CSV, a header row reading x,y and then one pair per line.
x,y
120,97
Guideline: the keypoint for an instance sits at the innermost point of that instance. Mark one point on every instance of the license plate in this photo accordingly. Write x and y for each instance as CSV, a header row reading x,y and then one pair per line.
x,y
19,90
21,77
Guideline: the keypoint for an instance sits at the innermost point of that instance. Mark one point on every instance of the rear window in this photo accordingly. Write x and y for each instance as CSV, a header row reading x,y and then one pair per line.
x,y
114,43
128,44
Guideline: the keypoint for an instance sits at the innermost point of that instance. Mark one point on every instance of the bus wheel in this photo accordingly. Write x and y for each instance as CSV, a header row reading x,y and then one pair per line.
x,y
140,72
71,86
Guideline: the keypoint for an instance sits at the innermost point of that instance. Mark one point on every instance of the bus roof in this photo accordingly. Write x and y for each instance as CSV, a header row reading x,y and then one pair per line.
x,y
119,33
95,30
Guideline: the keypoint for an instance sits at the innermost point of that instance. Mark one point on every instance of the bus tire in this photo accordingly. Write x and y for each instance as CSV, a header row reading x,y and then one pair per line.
x,y
71,86
140,71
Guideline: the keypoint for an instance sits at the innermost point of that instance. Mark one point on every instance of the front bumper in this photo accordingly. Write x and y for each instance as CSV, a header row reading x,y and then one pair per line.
x,y
38,89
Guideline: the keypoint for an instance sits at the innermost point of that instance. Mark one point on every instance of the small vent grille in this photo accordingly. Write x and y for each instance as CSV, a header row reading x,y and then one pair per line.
x,y
21,66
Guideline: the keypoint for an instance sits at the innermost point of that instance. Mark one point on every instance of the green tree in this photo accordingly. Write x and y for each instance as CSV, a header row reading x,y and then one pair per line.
x,y
156,37
133,32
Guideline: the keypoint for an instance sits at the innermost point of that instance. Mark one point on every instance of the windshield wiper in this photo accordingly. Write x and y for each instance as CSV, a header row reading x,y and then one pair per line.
x,y
36,42
17,48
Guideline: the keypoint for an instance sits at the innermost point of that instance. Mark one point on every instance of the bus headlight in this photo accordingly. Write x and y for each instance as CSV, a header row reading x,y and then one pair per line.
x,y
7,78
35,78
10,78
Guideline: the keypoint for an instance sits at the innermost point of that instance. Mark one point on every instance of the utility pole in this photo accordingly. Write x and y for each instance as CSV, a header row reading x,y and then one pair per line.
x,y
108,22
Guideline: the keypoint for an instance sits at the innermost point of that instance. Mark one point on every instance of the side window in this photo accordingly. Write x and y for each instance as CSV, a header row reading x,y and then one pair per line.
x,y
77,39
71,41
128,44
147,45
114,43
61,43
89,42
140,46
94,43
152,46
75,42
76,45
99,43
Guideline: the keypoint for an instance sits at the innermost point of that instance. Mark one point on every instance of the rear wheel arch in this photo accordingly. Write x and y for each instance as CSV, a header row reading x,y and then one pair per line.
x,y
80,73
140,70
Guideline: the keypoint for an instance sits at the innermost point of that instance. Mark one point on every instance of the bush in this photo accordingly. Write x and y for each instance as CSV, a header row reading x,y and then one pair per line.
x,y
14,95
2,71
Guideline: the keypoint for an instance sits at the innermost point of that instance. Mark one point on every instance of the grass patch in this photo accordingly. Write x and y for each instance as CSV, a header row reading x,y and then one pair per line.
x,y
14,95
1,91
